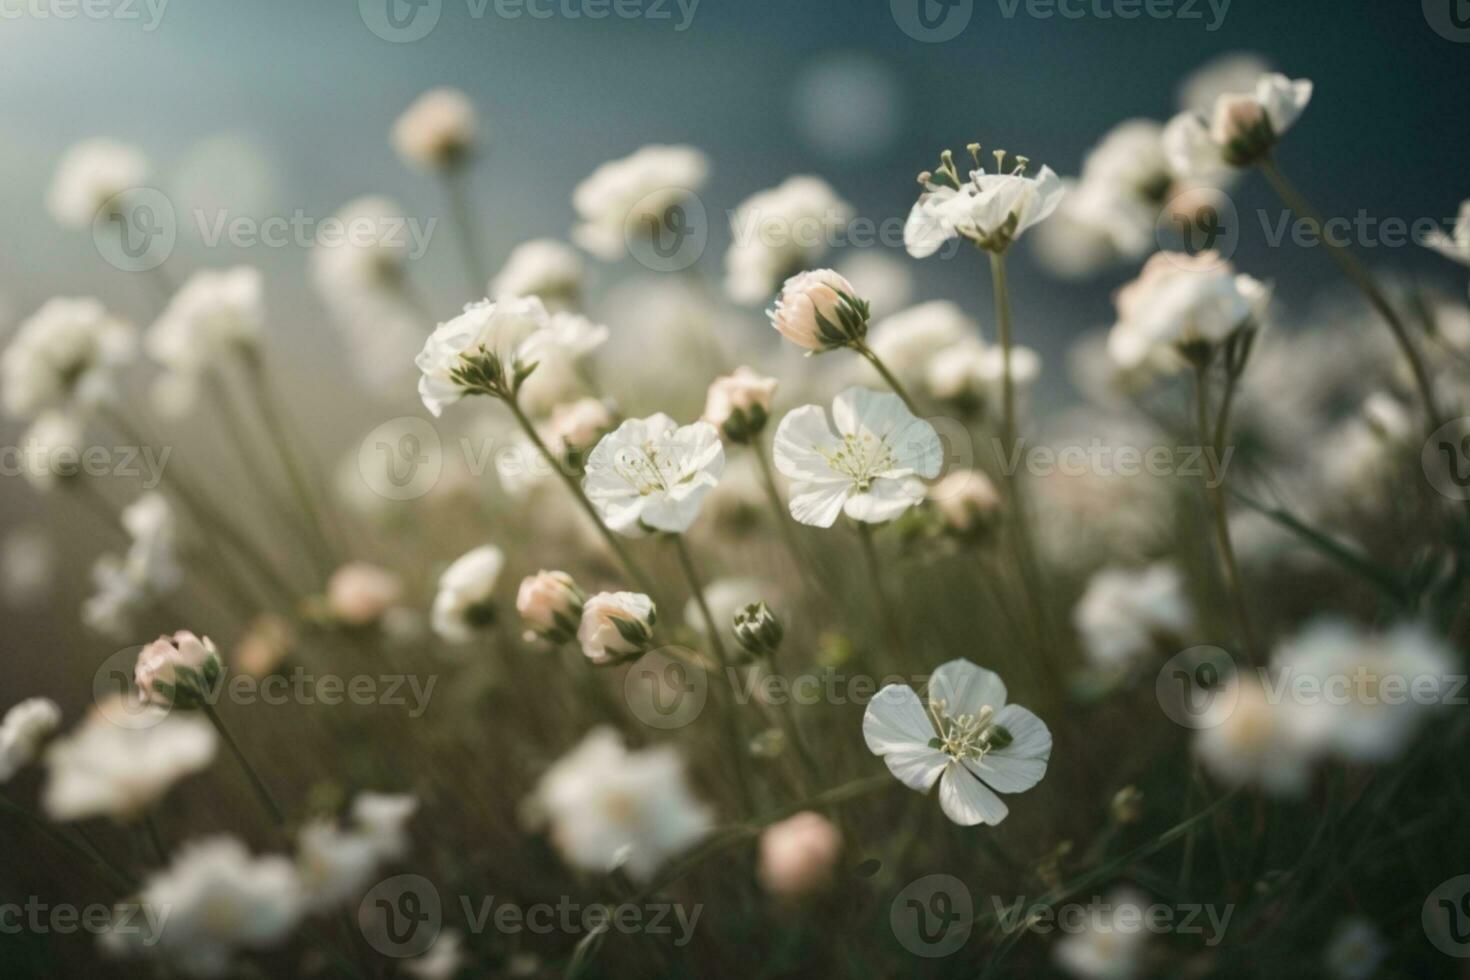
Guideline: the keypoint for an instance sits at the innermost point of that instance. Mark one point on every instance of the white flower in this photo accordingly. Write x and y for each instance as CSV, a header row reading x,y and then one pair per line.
x,y
384,817
1240,129
971,372
1455,245
484,349
90,175
106,769
630,198
866,468
819,311
438,130
966,500
611,808
1355,951
1179,301
213,315
443,961
358,594
616,625
551,604
550,270
652,473
778,232
909,341
798,854
1375,690
213,901
462,605
991,210
52,452
739,404
334,865
67,353
370,255
25,727
1234,73
1126,615
575,427
174,665
967,738
1255,741
149,569
1112,943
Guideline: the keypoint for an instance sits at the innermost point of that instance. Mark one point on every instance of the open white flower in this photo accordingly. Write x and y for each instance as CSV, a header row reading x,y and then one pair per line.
x,y
66,354
548,269
213,315
653,474
630,198
462,605
616,625
1455,245
1126,615
1180,301
104,768
371,254
1113,943
213,901
1240,129
864,462
335,864
778,232
991,210
609,808
1257,741
966,738
25,727
486,350
970,373
438,130
90,175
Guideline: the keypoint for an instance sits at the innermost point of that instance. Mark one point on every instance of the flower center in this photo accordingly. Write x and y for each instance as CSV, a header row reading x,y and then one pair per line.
x,y
966,736
649,471
862,457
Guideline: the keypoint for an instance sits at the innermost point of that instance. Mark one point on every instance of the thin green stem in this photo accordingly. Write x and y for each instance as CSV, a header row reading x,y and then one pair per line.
x,y
782,516
886,618
888,376
83,850
461,215
256,783
1003,333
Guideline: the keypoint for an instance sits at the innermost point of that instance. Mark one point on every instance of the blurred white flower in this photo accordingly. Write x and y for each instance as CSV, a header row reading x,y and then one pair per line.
x,y
819,311
91,174
798,855
546,268
213,901
1240,128
149,569
438,130
359,593
68,353
777,233
1179,301
909,341
24,728
739,403
556,352
883,278
653,474
213,315
610,808
484,350
1355,951
967,501
575,427
27,565
334,865
104,768
1125,615
1455,245
1233,73
551,605
632,197
1255,740
53,446
1360,695
172,668
726,597
867,466
443,961
462,605
966,738
970,372
371,254
991,210
1113,941
616,625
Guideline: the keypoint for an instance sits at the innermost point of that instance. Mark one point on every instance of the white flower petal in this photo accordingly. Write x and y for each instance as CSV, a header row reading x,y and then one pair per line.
x,y
816,503
966,800
885,500
798,438
966,687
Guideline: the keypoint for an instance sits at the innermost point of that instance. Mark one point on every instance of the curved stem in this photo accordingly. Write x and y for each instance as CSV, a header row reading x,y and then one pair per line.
x,y
256,783
84,850
888,376
456,182
875,580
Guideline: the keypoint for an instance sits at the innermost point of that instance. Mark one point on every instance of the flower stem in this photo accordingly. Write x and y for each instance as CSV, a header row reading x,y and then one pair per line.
x,y
1364,281
640,577
256,783
84,850
898,389
783,520
456,183
875,580
1214,489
